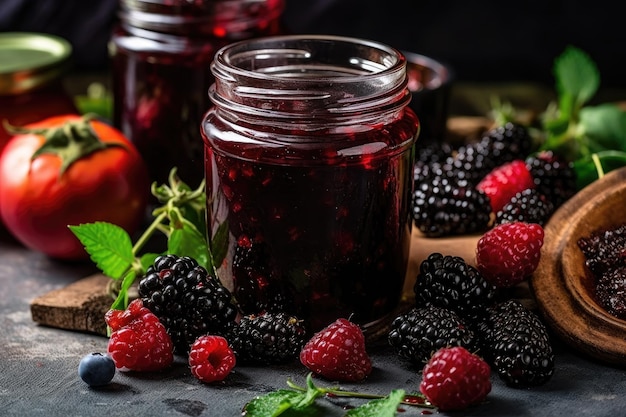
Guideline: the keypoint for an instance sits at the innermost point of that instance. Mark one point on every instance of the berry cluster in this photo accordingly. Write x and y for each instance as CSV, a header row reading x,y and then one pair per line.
x,y
498,179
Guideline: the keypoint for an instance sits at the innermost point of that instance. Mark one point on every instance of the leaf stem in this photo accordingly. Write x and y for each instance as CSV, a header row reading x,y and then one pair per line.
x,y
147,234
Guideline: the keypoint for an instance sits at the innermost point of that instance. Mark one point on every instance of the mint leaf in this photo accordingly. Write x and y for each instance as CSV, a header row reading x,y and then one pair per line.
x,y
121,301
311,394
577,77
385,407
605,126
273,404
108,245
188,241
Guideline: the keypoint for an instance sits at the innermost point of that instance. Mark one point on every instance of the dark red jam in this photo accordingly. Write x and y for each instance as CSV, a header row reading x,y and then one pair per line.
x,y
317,208
161,53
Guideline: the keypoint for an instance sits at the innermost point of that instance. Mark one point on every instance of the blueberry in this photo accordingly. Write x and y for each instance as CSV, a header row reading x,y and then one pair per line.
x,y
96,369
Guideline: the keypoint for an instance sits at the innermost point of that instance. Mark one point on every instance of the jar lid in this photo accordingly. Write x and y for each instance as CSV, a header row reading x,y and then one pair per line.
x,y
30,60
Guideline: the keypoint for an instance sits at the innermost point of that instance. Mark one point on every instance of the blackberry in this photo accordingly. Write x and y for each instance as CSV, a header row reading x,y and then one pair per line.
x,y
449,282
255,289
268,338
553,175
528,206
471,162
187,300
507,143
517,344
444,207
420,332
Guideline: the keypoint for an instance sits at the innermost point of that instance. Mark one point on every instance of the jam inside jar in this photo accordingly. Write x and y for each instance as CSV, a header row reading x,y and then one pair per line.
x,y
160,56
309,153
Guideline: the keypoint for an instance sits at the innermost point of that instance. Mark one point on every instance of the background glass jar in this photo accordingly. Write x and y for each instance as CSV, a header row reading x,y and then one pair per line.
x,y
161,51
309,155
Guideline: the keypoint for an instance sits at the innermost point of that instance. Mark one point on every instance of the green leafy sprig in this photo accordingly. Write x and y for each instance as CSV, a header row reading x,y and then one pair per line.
x,y
301,401
180,217
594,137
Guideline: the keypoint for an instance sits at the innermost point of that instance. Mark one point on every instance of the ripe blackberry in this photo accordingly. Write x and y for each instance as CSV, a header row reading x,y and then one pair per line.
x,y
553,175
449,282
443,208
268,338
472,162
508,142
528,206
518,345
420,332
187,299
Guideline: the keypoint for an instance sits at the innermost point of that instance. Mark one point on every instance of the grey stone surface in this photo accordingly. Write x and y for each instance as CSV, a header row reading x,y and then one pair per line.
x,y
39,377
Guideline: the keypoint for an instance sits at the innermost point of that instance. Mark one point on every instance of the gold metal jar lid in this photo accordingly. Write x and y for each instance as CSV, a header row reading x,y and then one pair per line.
x,y
31,60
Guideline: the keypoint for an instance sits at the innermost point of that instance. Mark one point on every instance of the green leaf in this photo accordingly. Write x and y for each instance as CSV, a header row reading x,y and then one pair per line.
x,y
605,125
385,407
147,259
273,404
108,245
219,244
188,241
311,394
121,302
586,171
577,76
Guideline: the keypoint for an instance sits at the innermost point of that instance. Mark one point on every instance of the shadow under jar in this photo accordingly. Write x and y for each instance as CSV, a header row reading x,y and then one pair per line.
x,y
309,153
160,52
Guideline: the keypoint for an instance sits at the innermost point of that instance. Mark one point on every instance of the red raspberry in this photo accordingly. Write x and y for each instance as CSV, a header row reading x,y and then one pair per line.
x,y
139,341
211,359
504,182
455,378
510,252
337,352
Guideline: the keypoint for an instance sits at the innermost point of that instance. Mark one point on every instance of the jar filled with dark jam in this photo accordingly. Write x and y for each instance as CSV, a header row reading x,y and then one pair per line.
x,y
160,52
32,67
309,154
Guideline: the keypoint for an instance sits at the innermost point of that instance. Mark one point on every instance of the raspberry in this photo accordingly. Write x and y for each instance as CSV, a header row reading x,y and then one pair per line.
x,y
187,299
455,378
509,253
518,345
420,332
503,182
337,352
444,207
449,282
139,342
211,359
96,369
268,338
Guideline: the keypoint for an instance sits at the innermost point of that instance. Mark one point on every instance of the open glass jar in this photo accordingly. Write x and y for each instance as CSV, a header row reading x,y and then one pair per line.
x,y
160,54
309,155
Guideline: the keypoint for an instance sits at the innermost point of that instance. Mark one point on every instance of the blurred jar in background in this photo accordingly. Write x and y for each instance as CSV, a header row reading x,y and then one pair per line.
x,y
160,53
32,66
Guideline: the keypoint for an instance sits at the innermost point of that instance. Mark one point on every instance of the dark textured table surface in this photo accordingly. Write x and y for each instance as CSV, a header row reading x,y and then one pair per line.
x,y
39,369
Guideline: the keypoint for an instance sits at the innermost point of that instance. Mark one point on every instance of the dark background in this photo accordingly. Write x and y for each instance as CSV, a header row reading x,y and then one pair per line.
x,y
482,40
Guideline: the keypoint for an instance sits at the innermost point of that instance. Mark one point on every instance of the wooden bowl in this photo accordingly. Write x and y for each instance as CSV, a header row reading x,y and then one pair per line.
x,y
561,285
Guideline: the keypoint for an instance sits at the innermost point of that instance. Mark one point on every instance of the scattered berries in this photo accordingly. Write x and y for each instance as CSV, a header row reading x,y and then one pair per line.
x,y
444,207
502,183
420,332
507,254
455,378
138,342
211,359
187,299
96,369
268,338
518,345
449,282
337,352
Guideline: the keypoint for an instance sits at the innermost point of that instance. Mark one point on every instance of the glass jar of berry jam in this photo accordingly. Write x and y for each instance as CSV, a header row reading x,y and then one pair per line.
x,y
160,52
309,154
32,66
